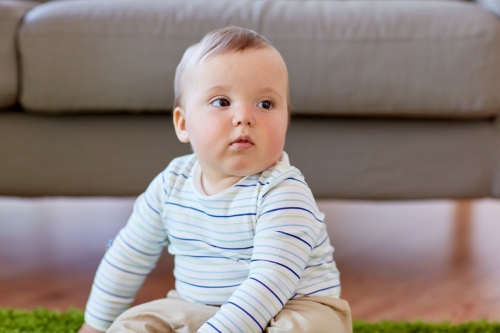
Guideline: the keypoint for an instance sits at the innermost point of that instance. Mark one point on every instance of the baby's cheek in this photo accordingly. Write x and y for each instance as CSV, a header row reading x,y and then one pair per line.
x,y
206,134
272,153
210,142
277,135
208,145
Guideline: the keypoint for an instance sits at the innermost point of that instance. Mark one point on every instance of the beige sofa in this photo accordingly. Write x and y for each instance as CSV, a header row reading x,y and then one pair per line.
x,y
391,99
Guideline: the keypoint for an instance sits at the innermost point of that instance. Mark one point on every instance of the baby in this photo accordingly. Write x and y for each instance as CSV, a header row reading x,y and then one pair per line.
x,y
251,250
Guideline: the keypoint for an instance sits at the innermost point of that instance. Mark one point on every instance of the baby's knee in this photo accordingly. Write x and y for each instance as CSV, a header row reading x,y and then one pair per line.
x,y
168,315
307,315
141,318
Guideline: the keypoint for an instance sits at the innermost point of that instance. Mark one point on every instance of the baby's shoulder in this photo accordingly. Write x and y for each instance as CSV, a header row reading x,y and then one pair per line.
x,y
180,167
178,170
281,170
281,174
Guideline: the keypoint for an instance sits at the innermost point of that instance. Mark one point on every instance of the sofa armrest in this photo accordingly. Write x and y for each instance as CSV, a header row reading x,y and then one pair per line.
x,y
11,15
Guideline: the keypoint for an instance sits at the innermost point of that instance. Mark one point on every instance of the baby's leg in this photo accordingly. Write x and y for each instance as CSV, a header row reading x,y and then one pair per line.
x,y
313,315
167,315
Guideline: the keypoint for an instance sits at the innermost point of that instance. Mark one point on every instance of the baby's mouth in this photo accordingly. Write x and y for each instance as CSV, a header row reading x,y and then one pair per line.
x,y
243,142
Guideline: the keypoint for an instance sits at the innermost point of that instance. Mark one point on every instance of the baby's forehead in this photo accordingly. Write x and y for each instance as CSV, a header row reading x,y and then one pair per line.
x,y
199,60
220,69
230,51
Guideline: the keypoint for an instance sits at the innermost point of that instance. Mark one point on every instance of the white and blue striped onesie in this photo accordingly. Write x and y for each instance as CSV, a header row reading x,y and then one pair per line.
x,y
249,248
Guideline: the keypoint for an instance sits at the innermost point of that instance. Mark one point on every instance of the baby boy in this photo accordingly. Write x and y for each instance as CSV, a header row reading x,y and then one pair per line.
x,y
251,249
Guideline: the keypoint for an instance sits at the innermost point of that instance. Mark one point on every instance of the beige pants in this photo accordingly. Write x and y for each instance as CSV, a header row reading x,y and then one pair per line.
x,y
175,315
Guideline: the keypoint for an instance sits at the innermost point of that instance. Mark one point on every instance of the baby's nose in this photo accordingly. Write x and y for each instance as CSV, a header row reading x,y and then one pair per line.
x,y
243,116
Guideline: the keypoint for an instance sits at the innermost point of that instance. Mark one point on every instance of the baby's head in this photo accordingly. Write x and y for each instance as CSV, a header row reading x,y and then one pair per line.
x,y
230,39
232,102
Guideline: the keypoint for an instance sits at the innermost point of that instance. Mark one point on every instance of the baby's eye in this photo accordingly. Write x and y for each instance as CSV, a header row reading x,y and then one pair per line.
x,y
221,102
265,105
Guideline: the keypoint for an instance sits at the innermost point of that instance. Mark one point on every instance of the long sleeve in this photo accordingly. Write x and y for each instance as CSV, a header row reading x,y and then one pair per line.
x,y
288,233
129,260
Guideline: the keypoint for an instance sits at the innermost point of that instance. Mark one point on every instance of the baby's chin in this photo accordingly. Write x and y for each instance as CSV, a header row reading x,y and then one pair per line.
x,y
251,168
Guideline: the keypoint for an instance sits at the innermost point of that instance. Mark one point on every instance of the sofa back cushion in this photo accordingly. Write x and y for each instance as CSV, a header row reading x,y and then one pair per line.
x,y
376,58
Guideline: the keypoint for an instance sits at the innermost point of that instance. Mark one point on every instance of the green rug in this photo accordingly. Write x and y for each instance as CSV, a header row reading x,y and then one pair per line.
x,y
48,321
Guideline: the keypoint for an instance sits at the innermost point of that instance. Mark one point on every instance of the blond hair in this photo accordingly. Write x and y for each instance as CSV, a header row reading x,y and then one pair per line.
x,y
217,42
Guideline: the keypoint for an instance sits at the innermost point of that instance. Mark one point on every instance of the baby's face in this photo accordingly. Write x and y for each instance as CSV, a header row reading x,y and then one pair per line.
x,y
235,112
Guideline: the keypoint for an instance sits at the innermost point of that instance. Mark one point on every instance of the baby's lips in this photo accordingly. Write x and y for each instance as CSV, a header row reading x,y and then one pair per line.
x,y
243,139
242,143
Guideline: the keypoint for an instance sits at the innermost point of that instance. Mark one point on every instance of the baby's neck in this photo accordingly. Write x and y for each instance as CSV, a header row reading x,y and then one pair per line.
x,y
212,185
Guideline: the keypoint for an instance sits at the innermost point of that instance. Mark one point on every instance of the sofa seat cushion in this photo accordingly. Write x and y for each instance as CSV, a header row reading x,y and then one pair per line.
x,y
376,58
11,15
344,158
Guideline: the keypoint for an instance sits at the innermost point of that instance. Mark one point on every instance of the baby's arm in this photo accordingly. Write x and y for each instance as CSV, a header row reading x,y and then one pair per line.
x,y
288,227
128,261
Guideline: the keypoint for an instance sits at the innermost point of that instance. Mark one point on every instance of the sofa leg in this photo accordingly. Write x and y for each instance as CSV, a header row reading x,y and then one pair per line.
x,y
462,233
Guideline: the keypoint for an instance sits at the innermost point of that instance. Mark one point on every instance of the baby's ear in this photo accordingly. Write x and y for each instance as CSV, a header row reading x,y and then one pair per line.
x,y
180,124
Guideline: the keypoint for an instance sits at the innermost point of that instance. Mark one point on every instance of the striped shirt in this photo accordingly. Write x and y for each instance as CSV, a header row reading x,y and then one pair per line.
x,y
249,248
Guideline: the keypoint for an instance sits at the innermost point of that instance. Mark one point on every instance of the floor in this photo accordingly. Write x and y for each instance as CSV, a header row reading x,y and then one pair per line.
x,y
430,260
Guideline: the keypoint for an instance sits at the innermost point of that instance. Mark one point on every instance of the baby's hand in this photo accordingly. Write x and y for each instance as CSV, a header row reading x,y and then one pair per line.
x,y
87,329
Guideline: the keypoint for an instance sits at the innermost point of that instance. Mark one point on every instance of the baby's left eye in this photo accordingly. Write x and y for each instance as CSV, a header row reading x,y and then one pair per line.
x,y
265,105
221,102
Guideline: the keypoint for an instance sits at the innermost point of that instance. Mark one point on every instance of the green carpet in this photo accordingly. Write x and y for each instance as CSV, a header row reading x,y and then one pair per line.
x,y
47,321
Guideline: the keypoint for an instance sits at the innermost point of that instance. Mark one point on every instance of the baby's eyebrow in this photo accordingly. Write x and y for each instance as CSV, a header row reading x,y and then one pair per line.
x,y
218,87
271,90
262,90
